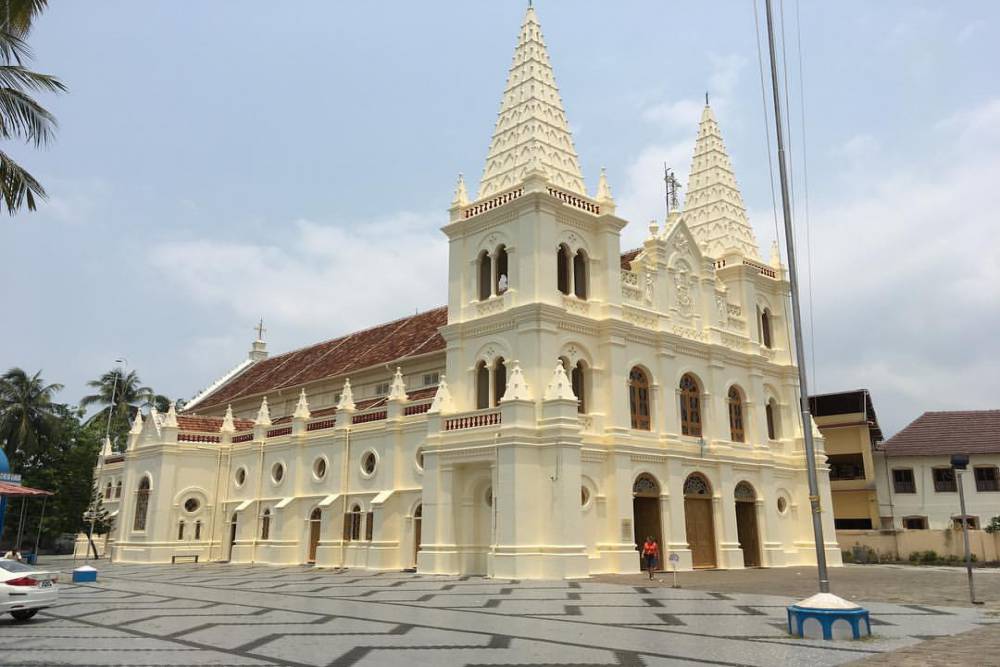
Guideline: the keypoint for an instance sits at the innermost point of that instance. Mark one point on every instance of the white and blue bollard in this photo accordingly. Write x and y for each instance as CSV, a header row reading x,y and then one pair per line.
x,y
825,610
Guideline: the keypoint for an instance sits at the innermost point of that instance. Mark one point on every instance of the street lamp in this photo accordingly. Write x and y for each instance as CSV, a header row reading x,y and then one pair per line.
x,y
960,463
100,458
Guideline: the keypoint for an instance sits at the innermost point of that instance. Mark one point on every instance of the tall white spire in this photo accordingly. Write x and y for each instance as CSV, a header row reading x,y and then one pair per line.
x,y
713,207
531,129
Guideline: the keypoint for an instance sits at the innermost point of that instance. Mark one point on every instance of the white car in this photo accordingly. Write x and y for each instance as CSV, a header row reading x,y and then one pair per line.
x,y
25,589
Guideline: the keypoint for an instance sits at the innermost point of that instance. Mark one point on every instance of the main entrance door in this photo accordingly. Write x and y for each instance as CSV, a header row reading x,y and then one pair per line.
x,y
314,530
646,513
698,521
746,524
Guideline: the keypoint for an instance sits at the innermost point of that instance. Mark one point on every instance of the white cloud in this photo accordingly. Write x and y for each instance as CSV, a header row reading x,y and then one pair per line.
x,y
322,279
642,197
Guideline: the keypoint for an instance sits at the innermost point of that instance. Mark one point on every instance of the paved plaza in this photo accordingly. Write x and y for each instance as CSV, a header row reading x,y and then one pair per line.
x,y
238,615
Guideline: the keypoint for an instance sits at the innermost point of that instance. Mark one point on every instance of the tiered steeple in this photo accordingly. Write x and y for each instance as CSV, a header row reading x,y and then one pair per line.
x,y
713,208
531,131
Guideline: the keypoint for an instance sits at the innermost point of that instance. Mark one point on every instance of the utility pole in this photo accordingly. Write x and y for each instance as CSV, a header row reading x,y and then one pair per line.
x,y
959,464
100,457
800,357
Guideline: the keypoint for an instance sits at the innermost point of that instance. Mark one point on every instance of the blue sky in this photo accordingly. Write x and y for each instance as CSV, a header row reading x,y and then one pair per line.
x,y
294,162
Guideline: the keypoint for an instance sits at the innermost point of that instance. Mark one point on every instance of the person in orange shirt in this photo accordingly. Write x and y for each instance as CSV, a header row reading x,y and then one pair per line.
x,y
650,555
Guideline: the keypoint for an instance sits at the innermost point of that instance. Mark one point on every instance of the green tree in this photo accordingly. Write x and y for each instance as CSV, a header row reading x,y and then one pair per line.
x,y
121,395
26,413
96,512
21,116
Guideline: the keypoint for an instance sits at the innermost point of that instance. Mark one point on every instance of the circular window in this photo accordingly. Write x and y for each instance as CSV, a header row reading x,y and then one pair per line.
x,y
319,468
369,461
191,505
277,472
782,505
241,477
420,458
584,495
489,496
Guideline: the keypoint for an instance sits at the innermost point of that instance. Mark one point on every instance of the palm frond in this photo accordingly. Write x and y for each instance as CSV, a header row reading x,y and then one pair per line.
x,y
17,186
20,77
20,14
13,49
21,116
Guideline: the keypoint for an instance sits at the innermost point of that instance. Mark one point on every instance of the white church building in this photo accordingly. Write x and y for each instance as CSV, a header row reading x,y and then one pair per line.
x,y
569,400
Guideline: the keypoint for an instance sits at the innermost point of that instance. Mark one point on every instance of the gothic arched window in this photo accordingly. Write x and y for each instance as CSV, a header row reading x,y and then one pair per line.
x,y
638,398
499,380
118,489
771,415
765,328
578,381
690,406
356,522
736,431
503,278
580,274
141,505
697,485
180,530
563,269
485,275
482,386
265,525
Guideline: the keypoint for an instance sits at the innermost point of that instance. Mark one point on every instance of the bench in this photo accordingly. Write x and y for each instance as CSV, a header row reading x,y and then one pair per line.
x,y
191,558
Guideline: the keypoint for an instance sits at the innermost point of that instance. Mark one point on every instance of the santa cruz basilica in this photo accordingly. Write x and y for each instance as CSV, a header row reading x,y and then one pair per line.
x,y
570,399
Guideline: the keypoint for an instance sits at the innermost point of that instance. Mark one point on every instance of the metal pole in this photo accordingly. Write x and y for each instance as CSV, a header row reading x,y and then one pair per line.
x,y
965,536
100,459
20,525
38,535
800,357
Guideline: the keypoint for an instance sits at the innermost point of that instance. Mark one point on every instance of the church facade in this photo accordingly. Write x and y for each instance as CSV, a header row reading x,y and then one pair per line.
x,y
570,400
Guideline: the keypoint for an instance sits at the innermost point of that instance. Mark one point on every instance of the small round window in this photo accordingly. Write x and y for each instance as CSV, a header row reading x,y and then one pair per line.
x,y
584,495
241,477
277,472
420,457
782,505
319,468
368,463
191,505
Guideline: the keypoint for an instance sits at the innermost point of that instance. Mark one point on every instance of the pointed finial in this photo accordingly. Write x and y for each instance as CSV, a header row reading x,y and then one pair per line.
x,y
106,447
775,254
706,98
442,399
397,391
171,418
263,415
517,386
461,194
560,387
228,426
302,407
260,329
346,401
603,189
136,423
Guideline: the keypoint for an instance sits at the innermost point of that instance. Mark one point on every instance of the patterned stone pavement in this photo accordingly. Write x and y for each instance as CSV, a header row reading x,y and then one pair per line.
x,y
238,615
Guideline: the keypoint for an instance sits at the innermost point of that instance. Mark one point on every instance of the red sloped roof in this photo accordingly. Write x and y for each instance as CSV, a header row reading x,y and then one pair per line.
x,y
956,432
209,424
385,343
628,256
10,490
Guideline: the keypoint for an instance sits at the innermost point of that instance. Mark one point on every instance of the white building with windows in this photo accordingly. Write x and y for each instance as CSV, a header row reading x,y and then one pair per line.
x,y
917,486
569,400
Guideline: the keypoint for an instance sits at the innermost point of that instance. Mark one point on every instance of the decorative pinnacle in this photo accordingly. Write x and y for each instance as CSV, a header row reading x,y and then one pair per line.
x,y
603,189
171,418
228,426
461,194
136,423
263,415
302,407
560,387
346,401
397,391
517,386
442,399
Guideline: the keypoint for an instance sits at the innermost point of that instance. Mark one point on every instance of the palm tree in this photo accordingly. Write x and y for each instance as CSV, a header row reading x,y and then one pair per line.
x,y
121,394
26,411
21,117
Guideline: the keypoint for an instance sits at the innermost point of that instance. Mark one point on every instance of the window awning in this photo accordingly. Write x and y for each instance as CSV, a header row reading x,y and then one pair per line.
x,y
329,500
242,506
15,490
284,502
382,497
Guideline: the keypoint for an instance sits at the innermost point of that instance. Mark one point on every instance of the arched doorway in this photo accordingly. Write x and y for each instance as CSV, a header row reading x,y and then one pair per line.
x,y
746,524
315,521
698,522
646,512
232,536
418,515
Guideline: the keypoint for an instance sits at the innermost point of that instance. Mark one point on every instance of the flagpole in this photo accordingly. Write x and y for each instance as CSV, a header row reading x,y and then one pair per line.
x,y
800,357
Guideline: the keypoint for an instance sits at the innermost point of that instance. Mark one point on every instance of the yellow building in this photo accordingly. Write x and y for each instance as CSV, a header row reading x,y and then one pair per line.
x,y
851,432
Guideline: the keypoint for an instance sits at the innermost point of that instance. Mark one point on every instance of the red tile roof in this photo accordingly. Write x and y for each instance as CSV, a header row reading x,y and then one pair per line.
x,y
940,433
209,424
382,344
628,256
